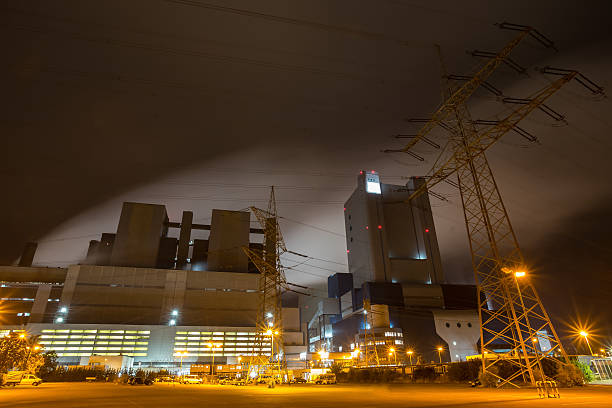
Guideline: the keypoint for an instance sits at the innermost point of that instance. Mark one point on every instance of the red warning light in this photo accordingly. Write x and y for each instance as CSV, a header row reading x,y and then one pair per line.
x,y
361,172
344,208
426,229
367,227
348,250
380,227
373,172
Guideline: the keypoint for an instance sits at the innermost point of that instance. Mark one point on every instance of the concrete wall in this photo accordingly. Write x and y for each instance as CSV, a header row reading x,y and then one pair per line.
x,y
109,294
460,329
229,232
140,229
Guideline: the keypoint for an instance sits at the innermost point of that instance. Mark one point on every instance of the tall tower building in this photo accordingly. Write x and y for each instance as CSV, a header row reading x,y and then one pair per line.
x,y
390,239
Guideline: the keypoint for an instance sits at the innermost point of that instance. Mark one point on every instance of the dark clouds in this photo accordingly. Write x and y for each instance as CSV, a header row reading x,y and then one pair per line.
x,y
109,100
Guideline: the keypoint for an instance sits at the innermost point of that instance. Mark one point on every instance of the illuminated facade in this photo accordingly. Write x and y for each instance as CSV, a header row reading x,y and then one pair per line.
x,y
143,294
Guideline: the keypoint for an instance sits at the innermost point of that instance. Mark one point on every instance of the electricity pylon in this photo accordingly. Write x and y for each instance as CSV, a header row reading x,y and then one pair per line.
x,y
269,320
370,357
512,316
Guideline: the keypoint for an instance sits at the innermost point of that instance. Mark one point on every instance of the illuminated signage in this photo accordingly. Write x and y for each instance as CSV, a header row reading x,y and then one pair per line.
x,y
372,183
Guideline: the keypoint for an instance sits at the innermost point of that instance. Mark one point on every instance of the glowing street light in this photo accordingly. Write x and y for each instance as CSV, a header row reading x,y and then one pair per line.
x,y
410,353
585,335
440,353
181,354
213,346
392,352
519,274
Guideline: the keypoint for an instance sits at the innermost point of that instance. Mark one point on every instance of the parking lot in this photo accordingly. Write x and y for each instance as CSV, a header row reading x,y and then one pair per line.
x,y
94,395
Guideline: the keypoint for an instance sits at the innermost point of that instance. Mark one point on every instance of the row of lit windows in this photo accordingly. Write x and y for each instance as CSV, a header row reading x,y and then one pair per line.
x,y
213,338
96,348
97,331
195,343
217,333
96,342
394,334
90,336
101,354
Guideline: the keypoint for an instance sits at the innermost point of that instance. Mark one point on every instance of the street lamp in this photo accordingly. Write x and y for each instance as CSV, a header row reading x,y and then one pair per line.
x,y
410,353
440,353
392,352
585,335
181,354
213,346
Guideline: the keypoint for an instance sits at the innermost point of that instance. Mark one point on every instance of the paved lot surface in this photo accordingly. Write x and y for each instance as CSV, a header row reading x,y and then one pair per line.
x,y
67,395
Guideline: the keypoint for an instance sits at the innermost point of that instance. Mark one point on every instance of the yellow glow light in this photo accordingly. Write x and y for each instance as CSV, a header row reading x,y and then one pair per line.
x,y
410,351
520,274
584,334
440,348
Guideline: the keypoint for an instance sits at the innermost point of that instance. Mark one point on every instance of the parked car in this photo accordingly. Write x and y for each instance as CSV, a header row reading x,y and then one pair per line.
x,y
237,381
297,380
191,379
20,377
224,380
326,379
139,381
165,378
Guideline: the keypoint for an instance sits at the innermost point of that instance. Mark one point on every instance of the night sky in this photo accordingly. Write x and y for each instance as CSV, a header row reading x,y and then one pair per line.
x,y
198,107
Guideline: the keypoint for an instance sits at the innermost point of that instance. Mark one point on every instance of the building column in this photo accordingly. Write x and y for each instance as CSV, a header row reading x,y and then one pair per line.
x,y
184,238
37,313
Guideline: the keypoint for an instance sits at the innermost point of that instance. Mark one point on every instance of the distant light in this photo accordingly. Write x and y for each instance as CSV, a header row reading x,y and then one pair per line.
x,y
63,309
188,260
348,250
268,332
367,227
534,340
59,320
191,242
344,208
175,312
440,348
519,274
269,315
380,227
584,334
373,172
426,229
365,312
270,324
361,172
172,322
454,343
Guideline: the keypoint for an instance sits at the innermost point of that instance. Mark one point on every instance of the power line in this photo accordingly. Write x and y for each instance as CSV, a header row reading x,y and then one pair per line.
x,y
304,23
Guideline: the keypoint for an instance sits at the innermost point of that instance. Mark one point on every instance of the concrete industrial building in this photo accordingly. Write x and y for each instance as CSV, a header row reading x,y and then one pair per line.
x,y
394,264
144,294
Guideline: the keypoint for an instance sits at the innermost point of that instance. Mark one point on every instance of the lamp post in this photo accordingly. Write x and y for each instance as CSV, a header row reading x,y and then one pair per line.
x,y
392,352
440,354
410,353
213,346
585,335
181,354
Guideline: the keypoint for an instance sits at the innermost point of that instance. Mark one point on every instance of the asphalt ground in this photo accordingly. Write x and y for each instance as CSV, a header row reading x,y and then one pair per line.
x,y
94,395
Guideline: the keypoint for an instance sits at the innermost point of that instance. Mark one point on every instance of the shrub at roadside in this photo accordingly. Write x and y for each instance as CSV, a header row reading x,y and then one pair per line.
x,y
464,371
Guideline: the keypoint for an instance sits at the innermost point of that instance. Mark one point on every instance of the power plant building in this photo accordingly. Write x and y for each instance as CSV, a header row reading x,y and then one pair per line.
x,y
144,294
395,268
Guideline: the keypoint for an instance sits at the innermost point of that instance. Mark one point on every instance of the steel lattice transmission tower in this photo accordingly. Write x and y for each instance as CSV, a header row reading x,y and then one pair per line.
x,y
511,313
269,323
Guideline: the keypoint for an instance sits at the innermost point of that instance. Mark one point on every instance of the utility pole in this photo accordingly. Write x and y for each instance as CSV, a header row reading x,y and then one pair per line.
x,y
510,310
